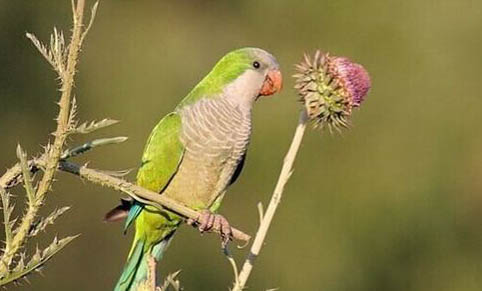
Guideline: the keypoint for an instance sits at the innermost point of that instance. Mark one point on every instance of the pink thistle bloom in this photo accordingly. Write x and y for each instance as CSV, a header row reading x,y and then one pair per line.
x,y
352,76
330,87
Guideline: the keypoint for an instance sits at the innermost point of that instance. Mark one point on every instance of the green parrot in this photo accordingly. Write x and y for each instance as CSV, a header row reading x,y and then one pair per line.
x,y
194,153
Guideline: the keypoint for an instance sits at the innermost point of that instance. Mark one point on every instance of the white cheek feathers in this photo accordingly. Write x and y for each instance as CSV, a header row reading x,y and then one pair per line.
x,y
245,89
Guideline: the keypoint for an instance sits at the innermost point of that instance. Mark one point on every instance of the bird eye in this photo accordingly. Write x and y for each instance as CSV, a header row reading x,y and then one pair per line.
x,y
256,64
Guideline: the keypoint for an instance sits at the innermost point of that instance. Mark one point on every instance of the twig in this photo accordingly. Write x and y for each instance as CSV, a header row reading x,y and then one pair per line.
x,y
231,260
141,194
285,174
91,145
13,176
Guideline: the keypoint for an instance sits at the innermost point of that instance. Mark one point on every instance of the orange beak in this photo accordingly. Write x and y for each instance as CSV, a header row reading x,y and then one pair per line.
x,y
272,84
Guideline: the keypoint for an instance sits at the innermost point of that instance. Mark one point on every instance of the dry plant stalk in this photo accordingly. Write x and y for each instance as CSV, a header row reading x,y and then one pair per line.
x,y
267,217
63,58
170,283
138,193
150,283
329,88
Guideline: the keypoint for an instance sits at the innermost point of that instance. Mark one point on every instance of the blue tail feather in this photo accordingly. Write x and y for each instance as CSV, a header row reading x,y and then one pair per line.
x,y
130,268
134,211
136,269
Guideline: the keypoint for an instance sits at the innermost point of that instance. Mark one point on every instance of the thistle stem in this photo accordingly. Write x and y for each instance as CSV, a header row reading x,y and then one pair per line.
x,y
285,174
60,134
6,218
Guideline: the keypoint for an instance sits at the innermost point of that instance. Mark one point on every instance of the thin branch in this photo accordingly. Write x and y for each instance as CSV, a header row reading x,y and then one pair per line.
x,y
231,260
285,174
260,212
150,283
151,277
109,180
13,176
91,145
140,194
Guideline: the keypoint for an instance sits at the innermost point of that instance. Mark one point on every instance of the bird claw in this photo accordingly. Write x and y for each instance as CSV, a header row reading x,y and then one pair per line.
x,y
210,221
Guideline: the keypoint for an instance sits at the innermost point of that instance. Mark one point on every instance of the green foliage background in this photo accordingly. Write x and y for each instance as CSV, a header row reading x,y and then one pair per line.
x,y
393,204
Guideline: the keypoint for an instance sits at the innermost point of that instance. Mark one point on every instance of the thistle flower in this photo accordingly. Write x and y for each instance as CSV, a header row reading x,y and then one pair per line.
x,y
330,87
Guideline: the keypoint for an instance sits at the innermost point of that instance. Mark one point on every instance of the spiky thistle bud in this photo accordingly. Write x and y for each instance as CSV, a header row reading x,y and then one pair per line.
x,y
330,87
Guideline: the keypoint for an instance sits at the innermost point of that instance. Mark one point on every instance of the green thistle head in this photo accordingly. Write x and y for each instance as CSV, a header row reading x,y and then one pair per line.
x,y
330,87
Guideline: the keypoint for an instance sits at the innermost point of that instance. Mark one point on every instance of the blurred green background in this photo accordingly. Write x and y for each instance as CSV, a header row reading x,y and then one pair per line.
x,y
392,204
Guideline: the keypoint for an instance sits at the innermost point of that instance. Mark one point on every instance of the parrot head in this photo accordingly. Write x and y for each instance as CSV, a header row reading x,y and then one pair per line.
x,y
242,75
257,73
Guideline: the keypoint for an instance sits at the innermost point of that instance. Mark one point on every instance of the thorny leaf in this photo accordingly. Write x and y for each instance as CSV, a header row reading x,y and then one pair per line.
x,y
56,54
93,125
93,13
38,259
171,281
50,219
20,265
90,145
73,114
42,49
58,51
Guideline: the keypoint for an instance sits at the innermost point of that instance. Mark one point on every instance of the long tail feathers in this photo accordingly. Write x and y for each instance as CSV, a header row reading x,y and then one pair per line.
x,y
136,269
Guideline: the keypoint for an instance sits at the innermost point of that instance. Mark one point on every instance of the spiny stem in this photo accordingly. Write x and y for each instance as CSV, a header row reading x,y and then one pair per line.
x,y
64,103
6,218
11,177
285,174
27,179
39,259
14,175
60,136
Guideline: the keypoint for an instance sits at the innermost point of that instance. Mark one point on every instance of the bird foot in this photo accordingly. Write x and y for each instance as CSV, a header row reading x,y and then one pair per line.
x,y
210,221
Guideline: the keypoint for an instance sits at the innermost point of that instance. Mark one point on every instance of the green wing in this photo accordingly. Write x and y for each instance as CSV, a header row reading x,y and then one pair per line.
x,y
162,155
160,161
